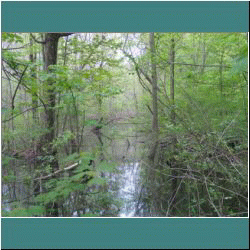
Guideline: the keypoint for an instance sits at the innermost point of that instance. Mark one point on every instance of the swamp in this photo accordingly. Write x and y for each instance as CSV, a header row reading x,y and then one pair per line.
x,y
124,125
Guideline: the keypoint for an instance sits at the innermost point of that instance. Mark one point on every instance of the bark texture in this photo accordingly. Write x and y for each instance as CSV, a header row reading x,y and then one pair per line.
x,y
50,58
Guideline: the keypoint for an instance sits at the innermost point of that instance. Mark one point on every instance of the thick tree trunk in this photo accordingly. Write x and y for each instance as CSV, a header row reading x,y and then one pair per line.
x,y
50,58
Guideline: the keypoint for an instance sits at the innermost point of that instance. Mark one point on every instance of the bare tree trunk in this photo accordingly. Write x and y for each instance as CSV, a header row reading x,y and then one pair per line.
x,y
154,86
174,173
154,99
172,57
204,55
32,57
136,102
221,83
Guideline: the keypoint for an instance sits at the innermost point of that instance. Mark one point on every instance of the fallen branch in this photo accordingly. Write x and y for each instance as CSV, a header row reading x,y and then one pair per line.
x,y
58,172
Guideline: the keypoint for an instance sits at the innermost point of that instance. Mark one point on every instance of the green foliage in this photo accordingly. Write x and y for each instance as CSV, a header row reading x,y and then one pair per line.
x,y
90,215
83,178
32,211
90,122
240,61
205,147
11,37
63,139
210,127
106,166
9,178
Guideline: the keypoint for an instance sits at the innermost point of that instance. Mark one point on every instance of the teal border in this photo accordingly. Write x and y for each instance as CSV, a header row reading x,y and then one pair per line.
x,y
65,233
124,233
125,16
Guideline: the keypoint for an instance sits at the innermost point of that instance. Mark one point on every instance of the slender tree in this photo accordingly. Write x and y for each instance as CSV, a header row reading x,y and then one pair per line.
x,y
172,56
154,86
174,173
153,81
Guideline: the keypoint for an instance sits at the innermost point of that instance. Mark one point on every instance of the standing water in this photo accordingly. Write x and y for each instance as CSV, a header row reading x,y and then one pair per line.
x,y
129,183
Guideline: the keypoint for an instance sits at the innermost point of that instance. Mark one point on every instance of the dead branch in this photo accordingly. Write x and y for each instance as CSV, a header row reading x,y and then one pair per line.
x,y
58,172
20,80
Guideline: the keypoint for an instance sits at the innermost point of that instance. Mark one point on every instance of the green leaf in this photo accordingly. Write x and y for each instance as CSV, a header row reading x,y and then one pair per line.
x,y
97,181
90,215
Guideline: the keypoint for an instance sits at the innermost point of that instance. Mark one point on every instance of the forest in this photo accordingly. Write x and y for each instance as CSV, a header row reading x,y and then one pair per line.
x,y
124,125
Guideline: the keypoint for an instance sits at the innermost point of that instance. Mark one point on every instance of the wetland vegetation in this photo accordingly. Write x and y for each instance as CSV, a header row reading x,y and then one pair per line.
x,y
124,125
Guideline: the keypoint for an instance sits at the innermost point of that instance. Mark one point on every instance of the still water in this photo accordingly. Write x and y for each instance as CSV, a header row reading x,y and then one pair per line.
x,y
128,182
124,184
128,190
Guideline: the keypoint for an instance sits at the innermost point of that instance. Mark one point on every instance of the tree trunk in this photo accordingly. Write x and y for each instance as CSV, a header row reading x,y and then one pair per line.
x,y
154,85
50,58
154,99
221,83
172,56
204,55
174,173
32,57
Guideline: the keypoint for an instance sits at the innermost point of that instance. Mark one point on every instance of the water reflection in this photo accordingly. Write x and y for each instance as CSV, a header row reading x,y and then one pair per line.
x,y
128,190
